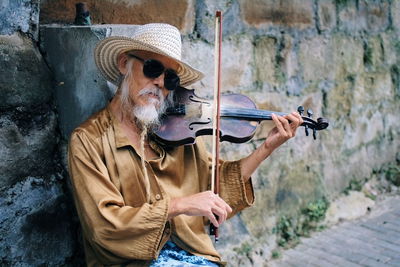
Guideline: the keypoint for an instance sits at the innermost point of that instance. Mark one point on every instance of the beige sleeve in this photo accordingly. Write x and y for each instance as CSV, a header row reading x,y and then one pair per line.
x,y
115,231
237,193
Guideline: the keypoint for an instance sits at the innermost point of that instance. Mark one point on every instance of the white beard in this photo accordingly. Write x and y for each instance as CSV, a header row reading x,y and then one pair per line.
x,y
147,117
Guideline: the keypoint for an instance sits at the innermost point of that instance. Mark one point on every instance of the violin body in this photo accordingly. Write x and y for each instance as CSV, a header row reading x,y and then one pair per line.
x,y
191,116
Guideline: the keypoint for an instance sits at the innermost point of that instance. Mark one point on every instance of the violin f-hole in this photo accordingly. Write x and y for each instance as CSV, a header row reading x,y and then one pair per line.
x,y
199,122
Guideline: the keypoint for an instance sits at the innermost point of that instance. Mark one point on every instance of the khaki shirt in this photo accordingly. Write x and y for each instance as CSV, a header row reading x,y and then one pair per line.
x,y
119,227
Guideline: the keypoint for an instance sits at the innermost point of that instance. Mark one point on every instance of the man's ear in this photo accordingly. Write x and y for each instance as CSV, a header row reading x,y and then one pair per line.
x,y
122,63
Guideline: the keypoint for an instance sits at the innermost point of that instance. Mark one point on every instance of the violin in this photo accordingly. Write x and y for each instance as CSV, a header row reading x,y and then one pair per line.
x,y
191,116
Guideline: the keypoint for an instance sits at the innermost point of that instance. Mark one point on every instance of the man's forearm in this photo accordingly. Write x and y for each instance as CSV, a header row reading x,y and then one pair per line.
x,y
250,163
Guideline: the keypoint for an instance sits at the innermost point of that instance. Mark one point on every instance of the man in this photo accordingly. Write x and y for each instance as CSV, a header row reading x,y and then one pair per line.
x,y
138,202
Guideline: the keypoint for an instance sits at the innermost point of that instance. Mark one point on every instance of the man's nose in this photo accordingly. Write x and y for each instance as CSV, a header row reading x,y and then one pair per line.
x,y
159,81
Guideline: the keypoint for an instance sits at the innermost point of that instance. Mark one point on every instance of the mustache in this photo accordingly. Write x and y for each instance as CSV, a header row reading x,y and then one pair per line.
x,y
153,90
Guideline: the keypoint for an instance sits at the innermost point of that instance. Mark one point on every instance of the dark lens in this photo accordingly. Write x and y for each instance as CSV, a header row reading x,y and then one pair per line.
x,y
152,68
171,80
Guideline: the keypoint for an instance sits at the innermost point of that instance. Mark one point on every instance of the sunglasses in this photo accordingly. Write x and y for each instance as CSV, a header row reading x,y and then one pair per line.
x,y
153,68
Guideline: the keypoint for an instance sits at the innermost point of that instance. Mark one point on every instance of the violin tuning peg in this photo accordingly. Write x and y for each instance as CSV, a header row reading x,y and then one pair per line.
x,y
306,130
300,109
309,113
314,134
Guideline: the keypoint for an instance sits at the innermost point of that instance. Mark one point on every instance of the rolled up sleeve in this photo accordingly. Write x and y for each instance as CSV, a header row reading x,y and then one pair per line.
x,y
233,189
115,231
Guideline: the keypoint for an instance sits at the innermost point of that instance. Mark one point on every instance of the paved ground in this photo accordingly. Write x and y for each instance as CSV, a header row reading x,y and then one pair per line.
x,y
373,240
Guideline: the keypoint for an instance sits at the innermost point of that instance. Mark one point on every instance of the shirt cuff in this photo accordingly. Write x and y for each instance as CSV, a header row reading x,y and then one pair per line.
x,y
234,190
161,209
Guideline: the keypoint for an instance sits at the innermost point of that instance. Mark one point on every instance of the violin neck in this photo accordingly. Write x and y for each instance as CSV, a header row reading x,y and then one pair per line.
x,y
249,114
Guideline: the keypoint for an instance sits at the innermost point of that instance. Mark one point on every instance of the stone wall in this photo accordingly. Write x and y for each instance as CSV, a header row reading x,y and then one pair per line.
x,y
37,222
339,58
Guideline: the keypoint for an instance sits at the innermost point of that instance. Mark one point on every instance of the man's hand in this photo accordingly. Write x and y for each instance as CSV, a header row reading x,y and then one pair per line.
x,y
201,204
283,130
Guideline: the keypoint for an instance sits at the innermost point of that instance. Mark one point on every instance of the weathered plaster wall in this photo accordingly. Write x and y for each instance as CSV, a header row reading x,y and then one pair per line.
x,y
339,58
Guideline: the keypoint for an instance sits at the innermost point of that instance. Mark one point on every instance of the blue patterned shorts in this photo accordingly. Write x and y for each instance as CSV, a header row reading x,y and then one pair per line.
x,y
172,255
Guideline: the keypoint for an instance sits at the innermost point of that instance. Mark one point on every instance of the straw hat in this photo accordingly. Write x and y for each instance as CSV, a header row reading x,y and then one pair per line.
x,y
160,38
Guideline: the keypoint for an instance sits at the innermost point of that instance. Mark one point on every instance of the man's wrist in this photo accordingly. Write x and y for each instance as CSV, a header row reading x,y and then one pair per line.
x,y
267,150
175,208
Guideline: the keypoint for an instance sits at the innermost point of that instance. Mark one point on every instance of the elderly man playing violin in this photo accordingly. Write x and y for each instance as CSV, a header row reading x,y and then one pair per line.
x,y
140,203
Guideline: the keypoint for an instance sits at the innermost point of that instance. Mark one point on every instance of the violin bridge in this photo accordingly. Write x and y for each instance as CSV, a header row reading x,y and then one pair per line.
x,y
196,111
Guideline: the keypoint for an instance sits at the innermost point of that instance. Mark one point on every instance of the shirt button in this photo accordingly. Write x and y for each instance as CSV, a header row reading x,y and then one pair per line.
x,y
158,197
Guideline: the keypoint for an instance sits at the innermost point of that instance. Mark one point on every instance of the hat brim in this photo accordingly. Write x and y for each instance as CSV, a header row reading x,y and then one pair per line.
x,y
106,58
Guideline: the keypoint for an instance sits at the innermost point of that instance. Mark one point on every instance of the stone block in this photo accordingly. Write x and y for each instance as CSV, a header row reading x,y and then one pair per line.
x,y
236,63
237,57
340,102
391,48
288,56
201,56
316,59
205,18
36,225
378,15
364,16
348,57
350,18
20,15
25,78
179,13
372,89
265,50
27,144
288,73
326,15
395,14
265,13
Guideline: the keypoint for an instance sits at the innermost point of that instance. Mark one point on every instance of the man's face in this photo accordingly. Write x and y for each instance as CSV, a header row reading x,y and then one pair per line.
x,y
139,83
145,97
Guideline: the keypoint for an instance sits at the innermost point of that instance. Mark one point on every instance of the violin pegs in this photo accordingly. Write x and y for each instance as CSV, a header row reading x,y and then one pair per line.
x,y
300,109
314,134
306,129
309,113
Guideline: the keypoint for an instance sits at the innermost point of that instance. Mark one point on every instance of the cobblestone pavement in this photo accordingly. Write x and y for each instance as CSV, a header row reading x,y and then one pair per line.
x,y
373,240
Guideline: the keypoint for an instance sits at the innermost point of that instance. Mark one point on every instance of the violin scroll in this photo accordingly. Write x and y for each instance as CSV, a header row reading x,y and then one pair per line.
x,y
309,123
